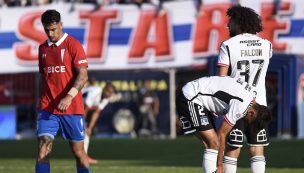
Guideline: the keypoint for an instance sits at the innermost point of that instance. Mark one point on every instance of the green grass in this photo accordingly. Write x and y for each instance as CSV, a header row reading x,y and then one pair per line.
x,y
144,156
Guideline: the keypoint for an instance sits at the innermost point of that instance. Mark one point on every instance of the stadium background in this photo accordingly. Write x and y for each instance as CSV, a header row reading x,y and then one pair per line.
x,y
168,43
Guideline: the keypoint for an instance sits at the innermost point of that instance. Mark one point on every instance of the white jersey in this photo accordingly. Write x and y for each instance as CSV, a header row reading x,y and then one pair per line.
x,y
222,95
93,95
247,56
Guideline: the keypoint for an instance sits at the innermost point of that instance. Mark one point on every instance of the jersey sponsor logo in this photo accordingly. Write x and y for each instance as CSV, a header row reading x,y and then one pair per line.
x,y
251,42
82,61
56,69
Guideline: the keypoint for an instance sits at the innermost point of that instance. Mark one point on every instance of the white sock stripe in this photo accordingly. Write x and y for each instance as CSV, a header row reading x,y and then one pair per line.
x,y
258,159
230,158
211,151
230,162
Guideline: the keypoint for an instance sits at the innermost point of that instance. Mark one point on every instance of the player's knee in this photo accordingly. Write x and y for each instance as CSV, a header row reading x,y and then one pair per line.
x,y
256,151
233,152
212,144
45,148
79,153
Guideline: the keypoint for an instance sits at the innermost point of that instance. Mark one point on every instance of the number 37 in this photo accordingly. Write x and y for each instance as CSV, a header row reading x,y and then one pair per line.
x,y
244,67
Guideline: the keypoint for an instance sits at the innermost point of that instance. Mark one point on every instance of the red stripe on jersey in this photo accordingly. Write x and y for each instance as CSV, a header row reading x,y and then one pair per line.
x,y
222,65
226,119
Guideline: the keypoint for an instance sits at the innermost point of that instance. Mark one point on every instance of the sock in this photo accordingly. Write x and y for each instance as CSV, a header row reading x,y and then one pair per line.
x,y
258,164
83,169
86,143
230,164
209,160
42,168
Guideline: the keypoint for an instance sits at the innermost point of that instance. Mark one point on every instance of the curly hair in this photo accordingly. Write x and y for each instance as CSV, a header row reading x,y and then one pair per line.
x,y
247,19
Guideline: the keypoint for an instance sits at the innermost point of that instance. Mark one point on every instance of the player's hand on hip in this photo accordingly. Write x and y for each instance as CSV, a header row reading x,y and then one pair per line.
x,y
64,103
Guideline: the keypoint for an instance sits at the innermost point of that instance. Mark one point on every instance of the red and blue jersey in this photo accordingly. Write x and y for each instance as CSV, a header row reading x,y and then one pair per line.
x,y
58,63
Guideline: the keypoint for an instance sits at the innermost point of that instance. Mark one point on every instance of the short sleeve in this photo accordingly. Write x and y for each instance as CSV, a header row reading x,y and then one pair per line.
x,y
223,58
103,104
235,112
79,56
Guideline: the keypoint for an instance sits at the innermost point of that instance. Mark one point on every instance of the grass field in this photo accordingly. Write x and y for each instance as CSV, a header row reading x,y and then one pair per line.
x,y
144,156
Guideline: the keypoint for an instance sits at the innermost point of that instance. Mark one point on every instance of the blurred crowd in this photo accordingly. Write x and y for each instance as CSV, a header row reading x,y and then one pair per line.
x,y
23,3
98,3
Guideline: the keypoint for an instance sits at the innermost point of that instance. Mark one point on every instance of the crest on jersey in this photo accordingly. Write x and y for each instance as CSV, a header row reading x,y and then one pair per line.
x,y
62,54
204,120
185,123
261,136
236,135
43,56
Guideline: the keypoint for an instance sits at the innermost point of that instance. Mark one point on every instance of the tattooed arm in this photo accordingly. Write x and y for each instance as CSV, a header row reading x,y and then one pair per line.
x,y
81,79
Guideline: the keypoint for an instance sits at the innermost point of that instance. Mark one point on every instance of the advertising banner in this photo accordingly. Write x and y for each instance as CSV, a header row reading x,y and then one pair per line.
x,y
120,37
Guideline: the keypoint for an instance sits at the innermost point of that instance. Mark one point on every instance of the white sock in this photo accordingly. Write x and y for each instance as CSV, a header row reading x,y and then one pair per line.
x,y
209,160
86,143
258,164
230,164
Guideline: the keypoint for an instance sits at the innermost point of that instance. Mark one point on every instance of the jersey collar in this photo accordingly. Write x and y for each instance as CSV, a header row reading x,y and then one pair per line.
x,y
59,41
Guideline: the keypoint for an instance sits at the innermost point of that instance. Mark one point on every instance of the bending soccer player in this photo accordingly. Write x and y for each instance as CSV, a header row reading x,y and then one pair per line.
x,y
203,98
106,96
63,71
247,56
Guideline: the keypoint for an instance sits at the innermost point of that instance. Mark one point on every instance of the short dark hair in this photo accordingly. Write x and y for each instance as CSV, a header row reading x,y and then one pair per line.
x,y
263,117
246,18
50,16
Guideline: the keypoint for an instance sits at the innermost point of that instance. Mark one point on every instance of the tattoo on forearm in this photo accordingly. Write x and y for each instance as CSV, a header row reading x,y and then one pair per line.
x,y
81,79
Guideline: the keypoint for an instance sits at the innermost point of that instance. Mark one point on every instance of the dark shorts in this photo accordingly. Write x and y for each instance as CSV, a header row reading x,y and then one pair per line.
x,y
254,136
193,116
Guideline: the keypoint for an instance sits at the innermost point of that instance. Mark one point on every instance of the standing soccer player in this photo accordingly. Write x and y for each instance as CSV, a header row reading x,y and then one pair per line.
x,y
246,56
63,68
